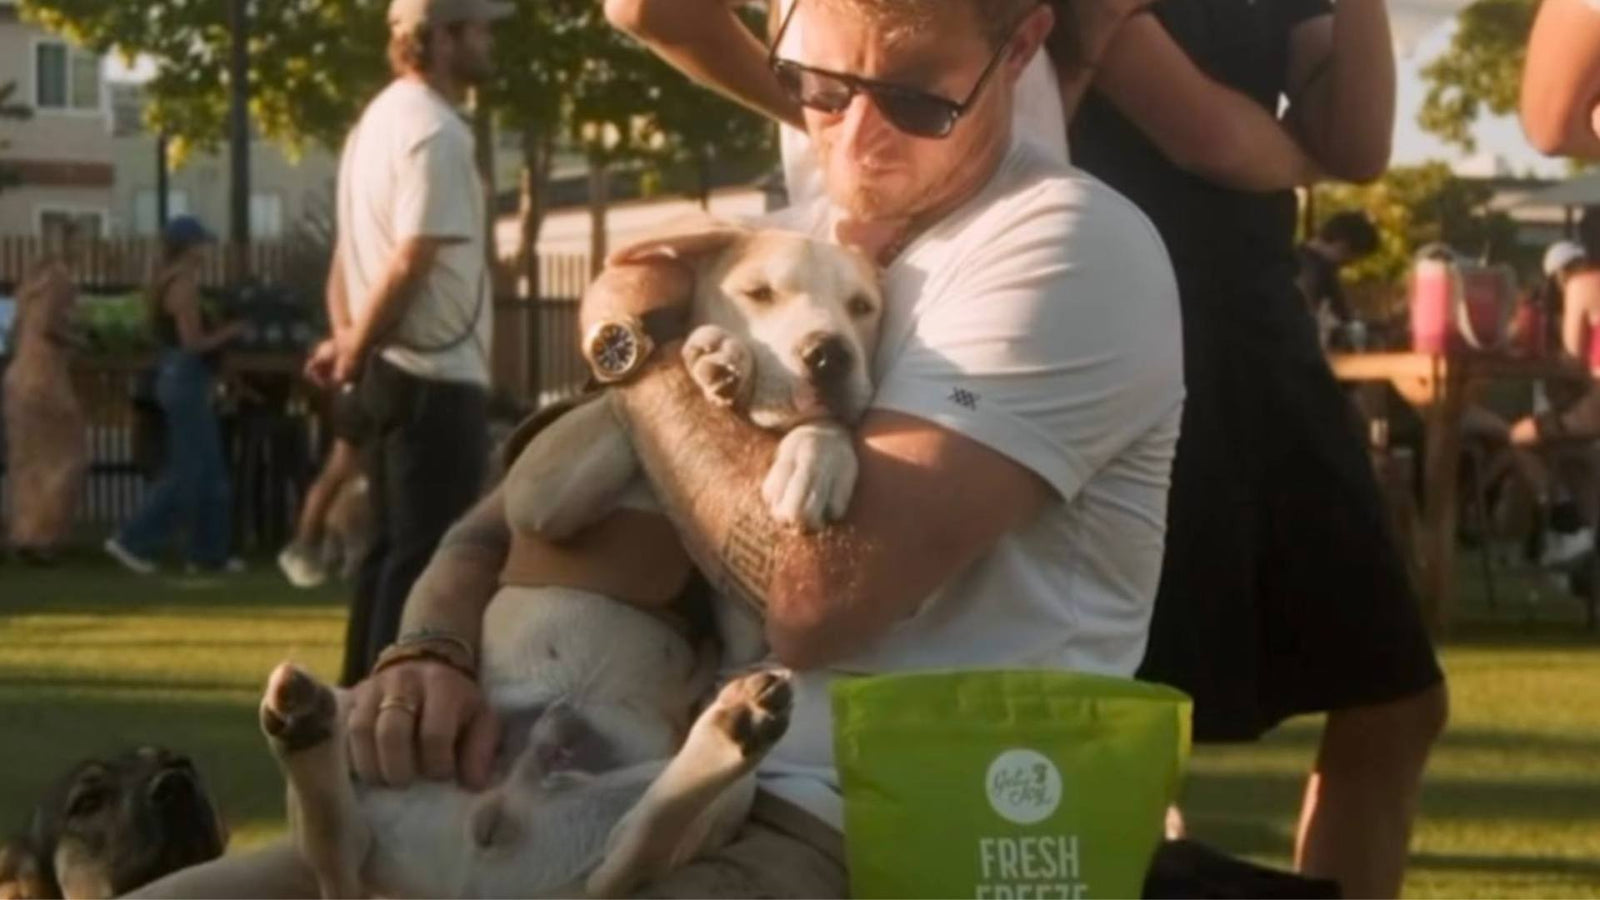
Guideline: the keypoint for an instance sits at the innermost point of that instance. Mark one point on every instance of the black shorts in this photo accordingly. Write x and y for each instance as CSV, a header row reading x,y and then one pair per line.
x,y
347,418
1283,591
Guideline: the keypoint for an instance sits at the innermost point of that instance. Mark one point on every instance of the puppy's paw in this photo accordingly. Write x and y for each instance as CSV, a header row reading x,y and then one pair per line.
x,y
720,364
812,476
752,710
297,712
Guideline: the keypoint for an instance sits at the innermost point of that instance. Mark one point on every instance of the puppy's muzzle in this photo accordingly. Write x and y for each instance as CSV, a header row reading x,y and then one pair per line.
x,y
827,359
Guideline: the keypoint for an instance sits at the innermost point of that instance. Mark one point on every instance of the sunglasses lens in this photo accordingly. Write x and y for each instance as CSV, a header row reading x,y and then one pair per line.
x,y
817,90
915,113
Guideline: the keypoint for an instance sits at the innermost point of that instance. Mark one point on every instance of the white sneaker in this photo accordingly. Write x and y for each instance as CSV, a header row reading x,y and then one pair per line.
x,y
135,564
300,568
1561,549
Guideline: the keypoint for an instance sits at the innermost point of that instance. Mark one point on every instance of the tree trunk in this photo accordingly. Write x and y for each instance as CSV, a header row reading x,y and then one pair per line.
x,y
599,197
537,151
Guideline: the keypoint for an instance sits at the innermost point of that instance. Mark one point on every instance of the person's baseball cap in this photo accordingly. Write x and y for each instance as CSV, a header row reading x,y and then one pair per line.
x,y
406,15
186,231
1562,254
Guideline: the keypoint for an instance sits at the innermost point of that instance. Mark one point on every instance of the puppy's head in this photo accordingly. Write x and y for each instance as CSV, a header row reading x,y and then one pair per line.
x,y
808,310
112,825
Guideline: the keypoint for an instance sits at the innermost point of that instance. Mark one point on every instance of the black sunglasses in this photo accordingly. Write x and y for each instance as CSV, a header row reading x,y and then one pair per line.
x,y
915,112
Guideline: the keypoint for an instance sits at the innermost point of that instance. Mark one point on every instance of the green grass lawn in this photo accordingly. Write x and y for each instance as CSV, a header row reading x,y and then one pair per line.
x,y
93,660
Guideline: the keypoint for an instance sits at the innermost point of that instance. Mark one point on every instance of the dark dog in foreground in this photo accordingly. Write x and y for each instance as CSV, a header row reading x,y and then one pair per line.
x,y
112,825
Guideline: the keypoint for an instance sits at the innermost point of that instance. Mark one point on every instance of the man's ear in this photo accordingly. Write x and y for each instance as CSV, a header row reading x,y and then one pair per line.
x,y
682,241
21,876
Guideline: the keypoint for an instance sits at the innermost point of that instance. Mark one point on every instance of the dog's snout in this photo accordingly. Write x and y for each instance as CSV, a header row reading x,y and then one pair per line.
x,y
826,357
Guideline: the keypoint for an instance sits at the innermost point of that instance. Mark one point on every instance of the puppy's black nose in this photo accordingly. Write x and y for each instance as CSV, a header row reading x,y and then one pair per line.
x,y
826,357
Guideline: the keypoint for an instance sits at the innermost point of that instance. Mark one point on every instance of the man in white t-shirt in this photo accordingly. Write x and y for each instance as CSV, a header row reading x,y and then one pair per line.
x,y
409,302
1014,464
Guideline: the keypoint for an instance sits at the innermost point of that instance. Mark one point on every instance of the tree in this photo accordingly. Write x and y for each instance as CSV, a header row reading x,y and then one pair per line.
x,y
312,64
1480,71
1413,206
16,112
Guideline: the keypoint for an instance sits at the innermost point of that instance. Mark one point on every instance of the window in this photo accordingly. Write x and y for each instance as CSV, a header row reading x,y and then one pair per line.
x,y
266,216
65,78
90,223
145,212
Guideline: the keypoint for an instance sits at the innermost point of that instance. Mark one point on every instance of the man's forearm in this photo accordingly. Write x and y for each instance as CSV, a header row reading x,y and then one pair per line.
x,y
463,575
336,296
708,467
1346,113
1560,103
391,297
705,40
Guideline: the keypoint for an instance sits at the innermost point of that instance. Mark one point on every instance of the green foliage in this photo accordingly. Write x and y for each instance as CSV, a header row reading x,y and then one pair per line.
x,y
564,75
312,64
1480,71
1417,205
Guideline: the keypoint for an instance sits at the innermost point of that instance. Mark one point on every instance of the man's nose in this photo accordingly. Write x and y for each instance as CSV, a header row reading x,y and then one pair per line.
x,y
863,125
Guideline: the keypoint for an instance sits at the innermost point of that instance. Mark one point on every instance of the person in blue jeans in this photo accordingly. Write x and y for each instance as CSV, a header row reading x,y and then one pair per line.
x,y
192,491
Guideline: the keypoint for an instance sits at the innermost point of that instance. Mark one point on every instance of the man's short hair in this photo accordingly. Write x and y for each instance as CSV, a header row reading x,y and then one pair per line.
x,y
410,49
998,17
1352,229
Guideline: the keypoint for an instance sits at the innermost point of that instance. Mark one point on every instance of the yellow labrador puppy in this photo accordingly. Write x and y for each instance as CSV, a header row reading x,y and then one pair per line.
x,y
603,782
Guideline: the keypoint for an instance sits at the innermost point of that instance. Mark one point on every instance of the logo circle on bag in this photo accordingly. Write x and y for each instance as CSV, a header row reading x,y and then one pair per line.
x,y
1024,786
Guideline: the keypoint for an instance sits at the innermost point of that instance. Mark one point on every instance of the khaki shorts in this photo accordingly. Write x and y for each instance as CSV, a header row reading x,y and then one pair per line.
x,y
783,851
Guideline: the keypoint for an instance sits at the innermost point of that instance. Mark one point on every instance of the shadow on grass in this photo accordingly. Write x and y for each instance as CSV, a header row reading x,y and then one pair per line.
x,y
1236,811
49,729
1502,864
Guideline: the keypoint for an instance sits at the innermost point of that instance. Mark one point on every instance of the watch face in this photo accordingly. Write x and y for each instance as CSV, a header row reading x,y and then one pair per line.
x,y
614,350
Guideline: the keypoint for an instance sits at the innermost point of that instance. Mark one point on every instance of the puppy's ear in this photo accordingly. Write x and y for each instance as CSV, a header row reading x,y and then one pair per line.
x,y
21,876
683,241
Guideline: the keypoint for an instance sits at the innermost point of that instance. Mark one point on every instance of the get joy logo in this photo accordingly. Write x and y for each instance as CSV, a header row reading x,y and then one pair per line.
x,y
1024,786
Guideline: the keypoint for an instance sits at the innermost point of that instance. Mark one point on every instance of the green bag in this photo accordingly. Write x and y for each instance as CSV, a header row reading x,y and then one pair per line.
x,y
1005,784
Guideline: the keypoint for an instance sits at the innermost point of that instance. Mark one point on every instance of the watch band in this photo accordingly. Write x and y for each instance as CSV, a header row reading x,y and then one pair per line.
x,y
666,323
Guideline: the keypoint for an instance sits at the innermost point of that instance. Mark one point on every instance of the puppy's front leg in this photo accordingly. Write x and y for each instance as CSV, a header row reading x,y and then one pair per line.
x,y
690,801
721,365
813,475
572,473
302,721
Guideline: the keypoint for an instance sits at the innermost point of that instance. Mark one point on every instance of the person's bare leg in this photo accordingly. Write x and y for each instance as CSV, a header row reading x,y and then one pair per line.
x,y
1355,824
343,464
275,870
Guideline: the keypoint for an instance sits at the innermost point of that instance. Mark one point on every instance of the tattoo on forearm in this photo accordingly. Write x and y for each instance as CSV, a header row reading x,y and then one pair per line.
x,y
748,554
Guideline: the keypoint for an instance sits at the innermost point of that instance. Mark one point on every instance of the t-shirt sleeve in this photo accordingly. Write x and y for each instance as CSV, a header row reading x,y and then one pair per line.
x,y
431,186
1058,344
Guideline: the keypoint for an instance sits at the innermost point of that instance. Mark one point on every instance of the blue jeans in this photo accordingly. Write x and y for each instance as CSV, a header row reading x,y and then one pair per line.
x,y
193,490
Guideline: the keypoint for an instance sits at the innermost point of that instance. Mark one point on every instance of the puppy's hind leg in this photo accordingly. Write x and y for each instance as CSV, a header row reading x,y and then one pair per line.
x,y
701,789
303,723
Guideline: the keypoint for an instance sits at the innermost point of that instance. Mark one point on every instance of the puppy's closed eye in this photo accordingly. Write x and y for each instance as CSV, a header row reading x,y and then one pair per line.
x,y
760,293
860,307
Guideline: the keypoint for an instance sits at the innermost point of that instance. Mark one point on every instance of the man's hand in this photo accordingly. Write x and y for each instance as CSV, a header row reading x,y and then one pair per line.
x,y
421,716
319,365
1524,433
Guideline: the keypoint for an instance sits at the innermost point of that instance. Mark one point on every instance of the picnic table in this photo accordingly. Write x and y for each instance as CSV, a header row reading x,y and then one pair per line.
x,y
1437,386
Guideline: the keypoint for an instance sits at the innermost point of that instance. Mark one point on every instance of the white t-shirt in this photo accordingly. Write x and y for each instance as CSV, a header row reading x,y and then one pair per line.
x,y
1036,117
407,170
1041,320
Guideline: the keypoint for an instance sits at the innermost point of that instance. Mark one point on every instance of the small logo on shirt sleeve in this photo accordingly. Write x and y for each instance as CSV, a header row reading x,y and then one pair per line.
x,y
963,397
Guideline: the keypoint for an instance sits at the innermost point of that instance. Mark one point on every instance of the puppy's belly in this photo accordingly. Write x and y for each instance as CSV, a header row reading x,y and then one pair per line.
x,y
549,643
424,844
